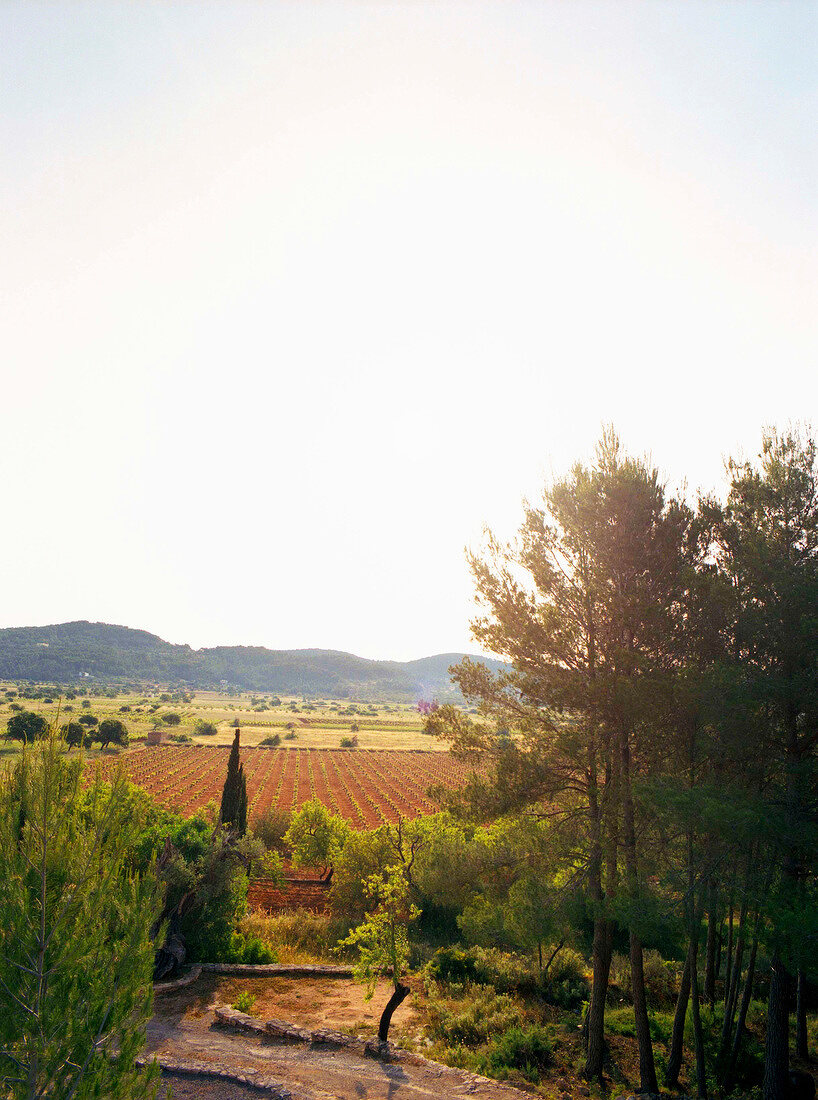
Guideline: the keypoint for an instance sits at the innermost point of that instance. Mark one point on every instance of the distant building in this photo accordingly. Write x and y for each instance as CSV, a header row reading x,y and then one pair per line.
x,y
156,737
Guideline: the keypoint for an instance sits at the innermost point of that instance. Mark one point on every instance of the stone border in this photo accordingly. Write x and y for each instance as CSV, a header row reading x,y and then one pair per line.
x,y
175,1067
370,1048
283,969
179,983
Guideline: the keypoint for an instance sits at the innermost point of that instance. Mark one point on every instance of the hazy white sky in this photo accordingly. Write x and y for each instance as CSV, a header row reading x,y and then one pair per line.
x,y
297,296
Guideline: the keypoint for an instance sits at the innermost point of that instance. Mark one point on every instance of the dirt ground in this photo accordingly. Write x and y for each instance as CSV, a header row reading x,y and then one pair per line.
x,y
184,1028
335,1003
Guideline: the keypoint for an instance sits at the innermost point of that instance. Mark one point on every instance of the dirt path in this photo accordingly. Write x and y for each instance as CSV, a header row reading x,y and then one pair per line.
x,y
184,1028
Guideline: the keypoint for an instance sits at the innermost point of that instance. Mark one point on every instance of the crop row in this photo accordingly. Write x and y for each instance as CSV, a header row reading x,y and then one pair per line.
x,y
366,787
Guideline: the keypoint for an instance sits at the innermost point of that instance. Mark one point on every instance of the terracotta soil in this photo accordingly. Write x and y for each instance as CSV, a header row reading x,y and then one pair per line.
x,y
184,1028
335,1003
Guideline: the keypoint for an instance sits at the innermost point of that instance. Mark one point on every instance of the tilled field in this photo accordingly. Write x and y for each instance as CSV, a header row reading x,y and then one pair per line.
x,y
366,787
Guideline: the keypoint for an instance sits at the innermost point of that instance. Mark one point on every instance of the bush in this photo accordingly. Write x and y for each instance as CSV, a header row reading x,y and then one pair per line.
x,y
249,949
451,964
201,728
526,1051
349,742
661,979
471,1015
245,1002
273,740
270,829
290,736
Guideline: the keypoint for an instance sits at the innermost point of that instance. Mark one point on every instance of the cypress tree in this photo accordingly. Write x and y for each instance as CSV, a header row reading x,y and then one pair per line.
x,y
233,811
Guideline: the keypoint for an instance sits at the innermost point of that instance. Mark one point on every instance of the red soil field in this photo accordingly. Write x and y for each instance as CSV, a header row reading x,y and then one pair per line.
x,y
367,787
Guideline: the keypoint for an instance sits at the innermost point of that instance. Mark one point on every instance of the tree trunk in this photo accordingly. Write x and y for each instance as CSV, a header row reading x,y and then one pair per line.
x,y
595,1018
746,997
731,999
647,1066
674,1061
701,1074
599,992
728,960
397,998
801,1017
776,1050
710,955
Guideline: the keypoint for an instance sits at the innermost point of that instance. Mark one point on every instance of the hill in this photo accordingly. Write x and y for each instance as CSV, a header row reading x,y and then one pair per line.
x,y
69,652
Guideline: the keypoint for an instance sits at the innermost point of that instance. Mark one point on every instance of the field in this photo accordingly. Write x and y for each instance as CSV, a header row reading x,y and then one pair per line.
x,y
366,787
303,723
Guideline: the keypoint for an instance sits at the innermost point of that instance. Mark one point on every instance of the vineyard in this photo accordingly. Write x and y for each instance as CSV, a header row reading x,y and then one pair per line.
x,y
367,788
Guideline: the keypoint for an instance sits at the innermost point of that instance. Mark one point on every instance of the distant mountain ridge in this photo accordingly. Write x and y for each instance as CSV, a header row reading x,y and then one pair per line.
x,y
102,653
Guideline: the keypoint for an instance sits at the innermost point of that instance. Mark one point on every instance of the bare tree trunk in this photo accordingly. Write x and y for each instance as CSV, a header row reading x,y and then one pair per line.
x,y
603,931
397,998
674,1061
698,1041
728,963
776,1050
647,1066
801,1016
746,997
596,1008
731,998
710,956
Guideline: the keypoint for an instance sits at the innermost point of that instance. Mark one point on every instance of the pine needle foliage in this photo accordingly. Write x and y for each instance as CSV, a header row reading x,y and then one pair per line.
x,y
76,956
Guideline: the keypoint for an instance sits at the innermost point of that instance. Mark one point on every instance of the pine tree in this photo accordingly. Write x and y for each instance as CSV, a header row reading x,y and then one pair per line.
x,y
75,950
233,811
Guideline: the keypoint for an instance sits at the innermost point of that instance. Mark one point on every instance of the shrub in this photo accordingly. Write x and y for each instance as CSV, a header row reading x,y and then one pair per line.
x,y
451,964
471,1015
245,1002
290,736
661,979
349,742
201,728
526,1051
273,740
271,827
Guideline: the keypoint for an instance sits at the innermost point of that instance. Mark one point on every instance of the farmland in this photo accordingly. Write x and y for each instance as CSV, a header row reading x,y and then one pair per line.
x,y
366,787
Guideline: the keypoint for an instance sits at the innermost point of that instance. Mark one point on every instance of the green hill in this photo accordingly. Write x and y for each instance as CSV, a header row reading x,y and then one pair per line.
x,y
70,652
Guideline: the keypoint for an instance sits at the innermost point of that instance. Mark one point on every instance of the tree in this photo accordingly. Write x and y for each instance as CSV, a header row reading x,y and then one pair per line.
x,y
768,547
74,734
75,950
88,720
233,812
26,726
583,607
111,729
202,728
382,939
316,837
171,718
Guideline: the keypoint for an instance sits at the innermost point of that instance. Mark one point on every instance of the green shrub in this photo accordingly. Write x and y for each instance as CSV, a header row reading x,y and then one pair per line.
x,y
472,1016
451,964
274,739
245,1002
526,1051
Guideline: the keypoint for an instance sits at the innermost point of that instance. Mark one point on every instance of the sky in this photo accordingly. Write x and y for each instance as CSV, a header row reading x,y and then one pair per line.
x,y
295,298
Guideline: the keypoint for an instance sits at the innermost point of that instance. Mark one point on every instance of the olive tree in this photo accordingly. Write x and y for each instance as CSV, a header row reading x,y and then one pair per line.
x,y
382,939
